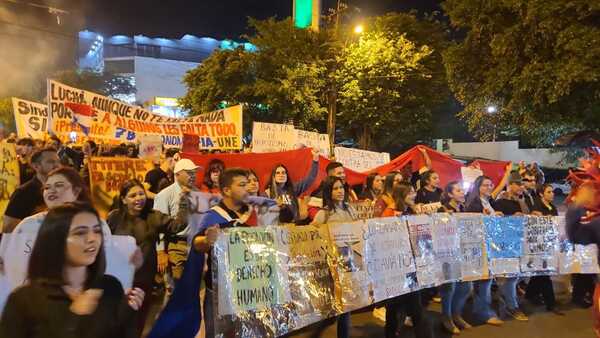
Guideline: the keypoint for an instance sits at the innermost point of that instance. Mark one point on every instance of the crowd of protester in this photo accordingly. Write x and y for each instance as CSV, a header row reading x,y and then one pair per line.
x,y
69,295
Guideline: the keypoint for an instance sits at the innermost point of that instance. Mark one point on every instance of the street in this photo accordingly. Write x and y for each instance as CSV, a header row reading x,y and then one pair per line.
x,y
577,323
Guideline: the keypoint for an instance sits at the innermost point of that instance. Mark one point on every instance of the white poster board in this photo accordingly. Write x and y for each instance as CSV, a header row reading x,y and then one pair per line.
x,y
360,160
272,137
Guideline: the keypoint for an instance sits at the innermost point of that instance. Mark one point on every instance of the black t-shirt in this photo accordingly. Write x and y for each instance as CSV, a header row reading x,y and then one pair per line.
x,y
425,196
26,172
541,207
507,207
158,180
27,200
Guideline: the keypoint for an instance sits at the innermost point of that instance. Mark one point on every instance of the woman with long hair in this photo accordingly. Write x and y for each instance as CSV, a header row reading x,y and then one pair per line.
x,y
430,191
68,293
454,295
480,200
403,202
335,209
63,185
211,176
539,289
386,200
373,187
134,217
281,188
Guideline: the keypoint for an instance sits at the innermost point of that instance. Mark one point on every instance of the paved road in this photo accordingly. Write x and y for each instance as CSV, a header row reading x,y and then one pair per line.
x,y
576,324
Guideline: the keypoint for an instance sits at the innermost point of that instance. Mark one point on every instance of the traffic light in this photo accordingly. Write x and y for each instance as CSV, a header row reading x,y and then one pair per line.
x,y
307,13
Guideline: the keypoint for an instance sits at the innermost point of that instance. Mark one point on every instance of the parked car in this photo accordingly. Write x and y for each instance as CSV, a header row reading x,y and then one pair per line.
x,y
561,187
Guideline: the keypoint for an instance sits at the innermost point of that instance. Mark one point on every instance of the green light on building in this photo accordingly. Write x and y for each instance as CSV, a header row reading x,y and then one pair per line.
x,y
303,13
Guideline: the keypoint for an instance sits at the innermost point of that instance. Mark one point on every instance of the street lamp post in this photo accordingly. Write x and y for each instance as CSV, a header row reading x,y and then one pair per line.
x,y
492,110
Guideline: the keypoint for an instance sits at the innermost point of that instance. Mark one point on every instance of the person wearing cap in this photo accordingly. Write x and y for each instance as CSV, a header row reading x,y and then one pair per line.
x,y
174,201
512,203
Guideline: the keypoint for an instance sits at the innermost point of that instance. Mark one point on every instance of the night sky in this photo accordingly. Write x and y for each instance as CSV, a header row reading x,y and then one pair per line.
x,y
214,18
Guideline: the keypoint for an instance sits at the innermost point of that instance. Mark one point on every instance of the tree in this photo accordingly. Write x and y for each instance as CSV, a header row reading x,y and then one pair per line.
x,y
283,81
536,61
393,80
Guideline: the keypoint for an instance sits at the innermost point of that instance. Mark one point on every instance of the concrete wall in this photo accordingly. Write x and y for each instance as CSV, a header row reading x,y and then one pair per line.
x,y
160,77
508,151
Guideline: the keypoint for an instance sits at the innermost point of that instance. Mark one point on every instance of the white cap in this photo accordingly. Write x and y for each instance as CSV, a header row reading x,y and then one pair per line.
x,y
185,164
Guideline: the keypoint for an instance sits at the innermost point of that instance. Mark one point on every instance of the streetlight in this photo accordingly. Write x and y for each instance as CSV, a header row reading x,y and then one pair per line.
x,y
491,109
359,29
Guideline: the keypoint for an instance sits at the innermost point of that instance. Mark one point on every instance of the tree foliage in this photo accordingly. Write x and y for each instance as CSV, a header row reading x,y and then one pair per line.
x,y
537,61
387,81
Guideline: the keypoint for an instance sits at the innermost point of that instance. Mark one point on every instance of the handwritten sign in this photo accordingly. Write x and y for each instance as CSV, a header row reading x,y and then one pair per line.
x,y
31,118
446,247
472,245
540,245
9,173
272,137
360,160
363,209
107,174
150,147
310,139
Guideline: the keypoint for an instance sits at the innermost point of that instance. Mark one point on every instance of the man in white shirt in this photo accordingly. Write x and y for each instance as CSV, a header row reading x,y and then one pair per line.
x,y
174,201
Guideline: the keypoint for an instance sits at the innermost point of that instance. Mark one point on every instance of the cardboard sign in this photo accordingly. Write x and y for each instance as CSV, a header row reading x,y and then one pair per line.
x,y
31,118
107,120
272,137
310,139
150,147
360,160
9,173
107,174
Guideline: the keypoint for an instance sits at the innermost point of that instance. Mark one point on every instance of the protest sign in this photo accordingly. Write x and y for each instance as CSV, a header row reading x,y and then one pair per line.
x,y
446,247
421,239
16,249
504,242
363,209
469,175
99,117
540,246
272,137
256,281
389,258
107,174
360,160
31,118
352,282
150,147
9,173
430,208
472,245
311,139
310,279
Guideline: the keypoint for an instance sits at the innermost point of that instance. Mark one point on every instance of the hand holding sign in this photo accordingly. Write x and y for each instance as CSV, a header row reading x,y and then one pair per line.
x,y
135,298
211,235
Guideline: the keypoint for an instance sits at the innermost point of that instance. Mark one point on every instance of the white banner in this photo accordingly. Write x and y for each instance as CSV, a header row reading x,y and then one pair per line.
x,y
272,137
360,160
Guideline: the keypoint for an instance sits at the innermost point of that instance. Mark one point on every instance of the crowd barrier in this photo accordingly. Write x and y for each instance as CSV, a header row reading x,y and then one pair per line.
x,y
269,281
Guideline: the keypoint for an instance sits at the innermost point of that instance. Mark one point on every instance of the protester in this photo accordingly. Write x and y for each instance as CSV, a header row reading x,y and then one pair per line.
x,y
135,218
162,176
68,293
286,193
539,289
401,201
479,200
454,295
266,209
67,156
211,176
24,150
335,209
511,202
529,189
89,149
232,211
63,185
430,191
173,201
27,199
373,188
335,169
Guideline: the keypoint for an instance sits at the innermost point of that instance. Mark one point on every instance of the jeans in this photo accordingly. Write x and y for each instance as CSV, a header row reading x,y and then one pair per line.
x,y
508,289
482,300
454,296
410,304
209,320
583,285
